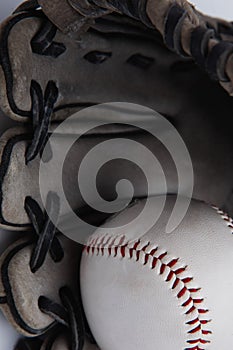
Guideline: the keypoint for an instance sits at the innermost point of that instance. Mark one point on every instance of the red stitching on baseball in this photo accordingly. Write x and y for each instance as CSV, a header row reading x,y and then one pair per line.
x,y
185,293
226,218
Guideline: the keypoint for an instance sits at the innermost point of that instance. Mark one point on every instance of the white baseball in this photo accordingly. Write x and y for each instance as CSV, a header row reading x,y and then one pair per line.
x,y
165,291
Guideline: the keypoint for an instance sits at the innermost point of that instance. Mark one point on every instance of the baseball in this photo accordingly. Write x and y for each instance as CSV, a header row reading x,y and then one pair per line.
x,y
166,291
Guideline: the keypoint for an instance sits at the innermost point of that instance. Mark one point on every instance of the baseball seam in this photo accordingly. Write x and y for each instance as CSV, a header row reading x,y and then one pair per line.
x,y
225,217
173,272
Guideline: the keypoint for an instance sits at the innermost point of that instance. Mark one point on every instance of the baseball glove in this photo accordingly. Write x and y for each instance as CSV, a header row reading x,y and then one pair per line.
x,y
58,57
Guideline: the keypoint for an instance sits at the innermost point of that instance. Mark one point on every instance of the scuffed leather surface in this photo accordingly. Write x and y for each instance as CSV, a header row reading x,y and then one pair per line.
x,y
63,15
177,88
80,81
27,287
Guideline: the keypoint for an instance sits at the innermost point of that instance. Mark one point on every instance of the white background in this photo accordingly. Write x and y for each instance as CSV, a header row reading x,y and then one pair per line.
x,y
218,8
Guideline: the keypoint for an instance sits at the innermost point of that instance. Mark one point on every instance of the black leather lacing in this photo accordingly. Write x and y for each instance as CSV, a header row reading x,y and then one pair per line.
x,y
213,61
199,44
43,42
41,111
98,8
42,105
89,9
68,314
132,8
44,226
173,29
217,59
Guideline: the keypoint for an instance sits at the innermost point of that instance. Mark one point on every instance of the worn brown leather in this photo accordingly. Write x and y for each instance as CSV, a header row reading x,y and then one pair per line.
x,y
106,57
22,288
104,64
63,15
76,68
155,13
